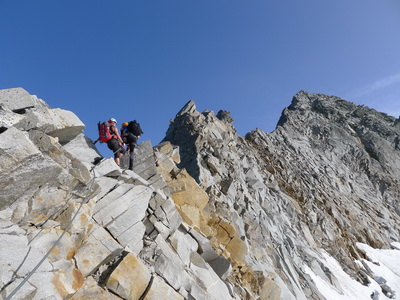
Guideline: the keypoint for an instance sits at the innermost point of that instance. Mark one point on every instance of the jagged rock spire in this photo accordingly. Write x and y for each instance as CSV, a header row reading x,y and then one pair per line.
x,y
189,107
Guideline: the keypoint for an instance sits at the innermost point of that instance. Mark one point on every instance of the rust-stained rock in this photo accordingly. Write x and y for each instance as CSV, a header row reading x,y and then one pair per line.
x,y
92,291
99,248
130,278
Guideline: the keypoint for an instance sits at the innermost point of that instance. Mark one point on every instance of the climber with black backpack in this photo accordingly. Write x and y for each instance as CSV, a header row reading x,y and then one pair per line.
x,y
131,133
108,133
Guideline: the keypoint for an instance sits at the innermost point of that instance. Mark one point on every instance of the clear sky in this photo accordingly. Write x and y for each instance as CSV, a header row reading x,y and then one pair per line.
x,y
145,59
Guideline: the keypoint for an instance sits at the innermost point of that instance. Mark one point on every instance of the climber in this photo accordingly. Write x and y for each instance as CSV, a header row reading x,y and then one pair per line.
x,y
115,143
130,133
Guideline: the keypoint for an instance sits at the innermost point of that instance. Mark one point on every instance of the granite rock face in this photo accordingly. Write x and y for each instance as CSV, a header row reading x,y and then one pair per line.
x,y
326,178
206,214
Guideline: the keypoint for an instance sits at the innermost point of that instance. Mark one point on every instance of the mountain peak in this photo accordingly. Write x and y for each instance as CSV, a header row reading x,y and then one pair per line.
x,y
188,108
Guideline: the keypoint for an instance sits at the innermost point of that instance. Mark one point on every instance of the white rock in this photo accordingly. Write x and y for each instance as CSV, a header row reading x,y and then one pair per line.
x,y
98,249
26,291
159,289
16,99
212,283
107,167
68,125
169,266
183,244
82,148
112,191
16,252
8,118
106,184
126,210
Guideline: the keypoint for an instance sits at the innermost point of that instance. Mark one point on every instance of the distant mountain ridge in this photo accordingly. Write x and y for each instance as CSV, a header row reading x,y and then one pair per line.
x,y
298,213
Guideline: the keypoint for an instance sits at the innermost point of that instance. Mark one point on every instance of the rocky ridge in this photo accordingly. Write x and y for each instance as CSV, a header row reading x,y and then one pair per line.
x,y
206,214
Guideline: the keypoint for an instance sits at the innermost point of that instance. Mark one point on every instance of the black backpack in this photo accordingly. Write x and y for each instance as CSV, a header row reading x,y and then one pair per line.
x,y
134,128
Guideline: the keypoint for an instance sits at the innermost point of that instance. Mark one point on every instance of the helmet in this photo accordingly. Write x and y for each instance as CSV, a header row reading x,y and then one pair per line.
x,y
125,124
113,120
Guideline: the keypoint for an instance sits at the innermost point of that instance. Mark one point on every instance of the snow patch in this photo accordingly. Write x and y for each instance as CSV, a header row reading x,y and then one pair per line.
x,y
384,264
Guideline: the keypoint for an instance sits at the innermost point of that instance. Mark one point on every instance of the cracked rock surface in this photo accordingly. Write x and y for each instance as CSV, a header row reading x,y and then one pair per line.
x,y
206,214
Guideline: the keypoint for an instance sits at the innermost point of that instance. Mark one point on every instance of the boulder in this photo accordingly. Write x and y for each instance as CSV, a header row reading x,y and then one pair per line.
x,y
16,100
83,149
130,278
36,114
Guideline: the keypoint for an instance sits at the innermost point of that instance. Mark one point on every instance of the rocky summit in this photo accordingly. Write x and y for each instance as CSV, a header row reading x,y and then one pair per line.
x,y
308,211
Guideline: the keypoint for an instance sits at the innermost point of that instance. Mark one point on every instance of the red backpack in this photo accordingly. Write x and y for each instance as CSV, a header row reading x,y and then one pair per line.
x,y
104,132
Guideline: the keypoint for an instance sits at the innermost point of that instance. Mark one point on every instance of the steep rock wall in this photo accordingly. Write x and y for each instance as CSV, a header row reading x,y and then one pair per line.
x,y
326,178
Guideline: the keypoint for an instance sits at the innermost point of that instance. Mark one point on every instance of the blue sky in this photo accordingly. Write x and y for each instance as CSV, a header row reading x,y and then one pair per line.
x,y
145,59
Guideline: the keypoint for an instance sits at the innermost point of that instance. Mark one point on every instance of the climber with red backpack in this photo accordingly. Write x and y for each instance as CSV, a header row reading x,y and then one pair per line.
x,y
108,133
131,133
